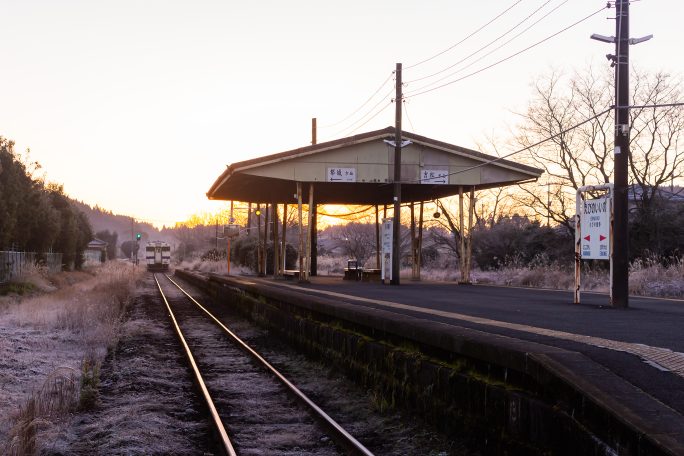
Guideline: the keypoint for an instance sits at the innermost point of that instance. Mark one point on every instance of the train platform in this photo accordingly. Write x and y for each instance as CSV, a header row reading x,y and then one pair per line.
x,y
643,344
631,361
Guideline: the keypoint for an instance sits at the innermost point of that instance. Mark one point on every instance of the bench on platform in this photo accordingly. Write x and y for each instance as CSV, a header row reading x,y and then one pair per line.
x,y
291,273
371,275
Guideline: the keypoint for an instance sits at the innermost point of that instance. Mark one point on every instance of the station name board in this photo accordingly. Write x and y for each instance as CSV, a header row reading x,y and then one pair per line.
x,y
595,229
341,175
434,176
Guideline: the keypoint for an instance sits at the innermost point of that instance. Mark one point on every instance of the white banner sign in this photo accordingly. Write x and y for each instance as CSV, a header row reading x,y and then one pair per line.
x,y
434,176
595,229
386,264
341,175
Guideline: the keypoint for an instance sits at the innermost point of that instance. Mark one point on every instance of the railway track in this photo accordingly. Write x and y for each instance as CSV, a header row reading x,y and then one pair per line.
x,y
254,408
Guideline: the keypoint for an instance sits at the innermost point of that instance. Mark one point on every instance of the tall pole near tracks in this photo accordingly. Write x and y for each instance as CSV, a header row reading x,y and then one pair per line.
x,y
397,180
620,220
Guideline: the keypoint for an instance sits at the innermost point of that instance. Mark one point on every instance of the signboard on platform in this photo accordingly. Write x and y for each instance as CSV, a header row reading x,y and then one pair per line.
x,y
386,263
341,175
434,176
595,228
231,230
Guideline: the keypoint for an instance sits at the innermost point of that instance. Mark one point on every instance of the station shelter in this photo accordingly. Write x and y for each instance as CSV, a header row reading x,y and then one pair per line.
x,y
359,170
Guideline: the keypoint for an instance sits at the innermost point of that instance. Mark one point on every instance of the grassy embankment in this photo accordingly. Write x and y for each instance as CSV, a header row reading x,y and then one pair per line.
x,y
55,334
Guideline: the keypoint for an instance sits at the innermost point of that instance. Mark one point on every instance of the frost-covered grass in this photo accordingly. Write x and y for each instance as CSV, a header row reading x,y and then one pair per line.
x,y
650,278
647,278
219,267
53,341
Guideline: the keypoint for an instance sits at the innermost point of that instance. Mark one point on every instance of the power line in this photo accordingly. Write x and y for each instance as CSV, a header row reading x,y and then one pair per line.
x,y
351,129
362,106
349,214
487,54
407,116
489,162
410,95
464,39
483,47
664,105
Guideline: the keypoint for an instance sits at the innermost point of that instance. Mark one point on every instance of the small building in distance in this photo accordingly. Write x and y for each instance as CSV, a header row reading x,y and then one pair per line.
x,y
95,253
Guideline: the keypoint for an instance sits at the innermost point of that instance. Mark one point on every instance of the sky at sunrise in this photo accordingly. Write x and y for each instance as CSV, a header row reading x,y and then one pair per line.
x,y
138,106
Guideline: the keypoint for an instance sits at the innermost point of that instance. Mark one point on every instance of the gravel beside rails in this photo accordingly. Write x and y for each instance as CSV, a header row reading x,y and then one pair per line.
x,y
147,402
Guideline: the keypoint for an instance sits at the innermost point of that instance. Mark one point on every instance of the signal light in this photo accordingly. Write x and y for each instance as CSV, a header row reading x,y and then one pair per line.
x,y
138,236
257,212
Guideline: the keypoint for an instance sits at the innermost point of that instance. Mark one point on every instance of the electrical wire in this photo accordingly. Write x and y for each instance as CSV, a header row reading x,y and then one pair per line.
x,y
664,105
362,106
349,214
415,94
485,46
464,39
497,159
507,42
407,116
351,129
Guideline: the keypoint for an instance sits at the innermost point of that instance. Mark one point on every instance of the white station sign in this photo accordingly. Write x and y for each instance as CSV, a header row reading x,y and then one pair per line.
x,y
434,176
595,229
341,175
387,236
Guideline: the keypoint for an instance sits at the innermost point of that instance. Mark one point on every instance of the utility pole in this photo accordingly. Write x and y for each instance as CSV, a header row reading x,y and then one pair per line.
x,y
132,237
397,180
620,277
313,267
620,217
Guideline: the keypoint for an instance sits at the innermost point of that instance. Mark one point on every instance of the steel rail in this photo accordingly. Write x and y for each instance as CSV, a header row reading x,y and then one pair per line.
x,y
227,446
343,437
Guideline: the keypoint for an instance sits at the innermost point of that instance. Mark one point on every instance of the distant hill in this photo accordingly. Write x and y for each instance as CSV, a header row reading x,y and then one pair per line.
x,y
102,219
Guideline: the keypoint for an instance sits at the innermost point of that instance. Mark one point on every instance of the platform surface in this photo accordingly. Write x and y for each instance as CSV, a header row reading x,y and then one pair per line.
x,y
643,344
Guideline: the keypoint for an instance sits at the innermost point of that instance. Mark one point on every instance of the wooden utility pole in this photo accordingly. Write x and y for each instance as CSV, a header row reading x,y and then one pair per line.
x,y
259,245
301,232
414,242
264,252
377,238
276,246
284,238
396,253
620,231
313,208
313,131
311,228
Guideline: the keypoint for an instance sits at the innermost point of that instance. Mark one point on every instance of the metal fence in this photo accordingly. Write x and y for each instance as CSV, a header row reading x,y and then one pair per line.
x,y
14,264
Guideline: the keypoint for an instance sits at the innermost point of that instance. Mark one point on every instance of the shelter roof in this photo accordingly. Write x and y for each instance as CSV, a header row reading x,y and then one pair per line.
x,y
359,170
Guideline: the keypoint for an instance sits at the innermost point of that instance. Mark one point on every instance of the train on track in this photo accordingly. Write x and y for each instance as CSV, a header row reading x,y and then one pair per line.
x,y
158,256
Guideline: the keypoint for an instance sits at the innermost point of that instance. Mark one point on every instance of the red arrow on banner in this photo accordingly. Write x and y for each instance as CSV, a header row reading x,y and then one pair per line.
x,y
601,237
587,238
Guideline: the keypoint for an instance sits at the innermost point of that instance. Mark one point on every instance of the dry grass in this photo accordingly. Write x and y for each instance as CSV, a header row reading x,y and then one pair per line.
x,y
219,267
54,343
651,278
647,278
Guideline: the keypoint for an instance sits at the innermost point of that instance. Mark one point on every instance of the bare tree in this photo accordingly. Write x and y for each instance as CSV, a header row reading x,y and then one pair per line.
x,y
580,156
656,152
